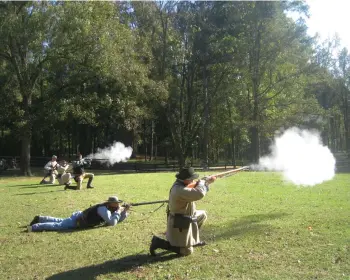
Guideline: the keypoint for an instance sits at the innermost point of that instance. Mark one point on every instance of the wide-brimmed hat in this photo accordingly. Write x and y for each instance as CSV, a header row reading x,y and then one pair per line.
x,y
114,199
186,173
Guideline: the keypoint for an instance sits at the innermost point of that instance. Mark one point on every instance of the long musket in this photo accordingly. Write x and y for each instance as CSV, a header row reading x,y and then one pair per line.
x,y
146,203
221,175
231,172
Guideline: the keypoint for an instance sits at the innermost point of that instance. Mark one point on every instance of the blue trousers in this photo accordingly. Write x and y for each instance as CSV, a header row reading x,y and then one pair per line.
x,y
56,224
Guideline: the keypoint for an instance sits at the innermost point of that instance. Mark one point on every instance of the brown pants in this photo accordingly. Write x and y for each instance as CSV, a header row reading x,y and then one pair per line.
x,y
201,216
79,179
64,179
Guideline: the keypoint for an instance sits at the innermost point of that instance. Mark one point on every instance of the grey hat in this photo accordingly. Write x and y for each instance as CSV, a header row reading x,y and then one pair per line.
x,y
54,156
114,199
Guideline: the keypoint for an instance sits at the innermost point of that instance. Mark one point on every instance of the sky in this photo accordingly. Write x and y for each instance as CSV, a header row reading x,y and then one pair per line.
x,y
328,17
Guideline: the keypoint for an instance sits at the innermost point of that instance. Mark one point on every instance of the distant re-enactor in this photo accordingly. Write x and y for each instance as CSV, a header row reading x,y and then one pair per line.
x,y
50,170
79,173
184,221
64,177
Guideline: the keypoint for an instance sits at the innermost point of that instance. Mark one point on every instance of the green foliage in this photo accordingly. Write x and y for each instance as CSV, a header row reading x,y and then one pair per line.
x,y
221,76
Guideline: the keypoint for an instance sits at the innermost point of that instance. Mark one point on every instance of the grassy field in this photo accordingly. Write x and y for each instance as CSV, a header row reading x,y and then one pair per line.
x,y
258,228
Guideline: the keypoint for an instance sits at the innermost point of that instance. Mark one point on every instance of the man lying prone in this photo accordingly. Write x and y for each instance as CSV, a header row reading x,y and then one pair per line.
x,y
109,213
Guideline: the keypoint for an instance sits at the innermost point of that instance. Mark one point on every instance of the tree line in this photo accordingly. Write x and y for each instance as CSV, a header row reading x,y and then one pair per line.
x,y
188,80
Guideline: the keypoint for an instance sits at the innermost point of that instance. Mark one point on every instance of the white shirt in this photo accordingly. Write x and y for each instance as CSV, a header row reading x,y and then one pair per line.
x,y
111,218
50,165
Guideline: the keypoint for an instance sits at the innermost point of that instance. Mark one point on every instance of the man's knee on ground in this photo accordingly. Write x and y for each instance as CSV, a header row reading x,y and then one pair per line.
x,y
186,251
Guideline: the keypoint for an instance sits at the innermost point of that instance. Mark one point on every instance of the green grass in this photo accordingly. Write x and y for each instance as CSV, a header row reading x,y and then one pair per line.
x,y
258,228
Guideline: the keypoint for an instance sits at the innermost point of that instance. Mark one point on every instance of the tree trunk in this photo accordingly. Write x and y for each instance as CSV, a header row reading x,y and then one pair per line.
x,y
206,120
233,152
255,146
166,156
69,143
181,160
155,148
2,141
25,154
256,78
346,124
26,135
233,149
152,134
145,140
61,144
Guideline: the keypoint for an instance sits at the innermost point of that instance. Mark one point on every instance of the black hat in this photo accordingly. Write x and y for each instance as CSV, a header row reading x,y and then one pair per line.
x,y
186,173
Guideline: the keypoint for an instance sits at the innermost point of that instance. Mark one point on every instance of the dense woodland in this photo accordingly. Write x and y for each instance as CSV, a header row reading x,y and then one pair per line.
x,y
203,81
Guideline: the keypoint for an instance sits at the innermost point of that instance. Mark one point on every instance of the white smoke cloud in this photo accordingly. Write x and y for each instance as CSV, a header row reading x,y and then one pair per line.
x,y
302,158
112,154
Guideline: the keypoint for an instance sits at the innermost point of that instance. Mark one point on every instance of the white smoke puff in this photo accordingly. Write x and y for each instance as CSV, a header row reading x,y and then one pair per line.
x,y
302,158
113,154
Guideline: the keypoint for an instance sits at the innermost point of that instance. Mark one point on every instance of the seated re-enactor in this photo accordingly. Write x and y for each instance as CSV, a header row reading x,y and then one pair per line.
x,y
63,177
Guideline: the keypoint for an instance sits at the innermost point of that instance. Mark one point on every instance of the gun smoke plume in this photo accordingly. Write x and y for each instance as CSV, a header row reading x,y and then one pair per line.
x,y
117,152
302,158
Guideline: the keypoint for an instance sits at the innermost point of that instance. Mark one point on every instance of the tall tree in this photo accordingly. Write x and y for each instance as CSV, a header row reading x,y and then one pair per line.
x,y
277,55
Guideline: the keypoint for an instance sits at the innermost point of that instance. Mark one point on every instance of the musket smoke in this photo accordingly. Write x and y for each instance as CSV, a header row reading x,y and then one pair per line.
x,y
302,158
117,152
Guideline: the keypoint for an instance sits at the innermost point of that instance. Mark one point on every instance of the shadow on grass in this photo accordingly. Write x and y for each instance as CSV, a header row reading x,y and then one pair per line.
x,y
128,263
81,229
34,186
39,192
248,225
63,231
28,185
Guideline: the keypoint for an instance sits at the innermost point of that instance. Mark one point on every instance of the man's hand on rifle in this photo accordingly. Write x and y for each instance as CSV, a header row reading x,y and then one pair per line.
x,y
210,179
127,207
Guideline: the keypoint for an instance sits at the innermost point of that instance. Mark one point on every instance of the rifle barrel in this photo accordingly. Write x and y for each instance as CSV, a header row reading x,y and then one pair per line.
x,y
149,202
222,174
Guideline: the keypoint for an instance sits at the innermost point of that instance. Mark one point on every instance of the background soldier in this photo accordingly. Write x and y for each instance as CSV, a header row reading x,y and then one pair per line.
x,y
80,174
184,221
63,177
50,170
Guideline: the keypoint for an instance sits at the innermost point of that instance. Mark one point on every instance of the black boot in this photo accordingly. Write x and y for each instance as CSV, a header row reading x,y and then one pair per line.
x,y
35,221
158,243
201,243
89,186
